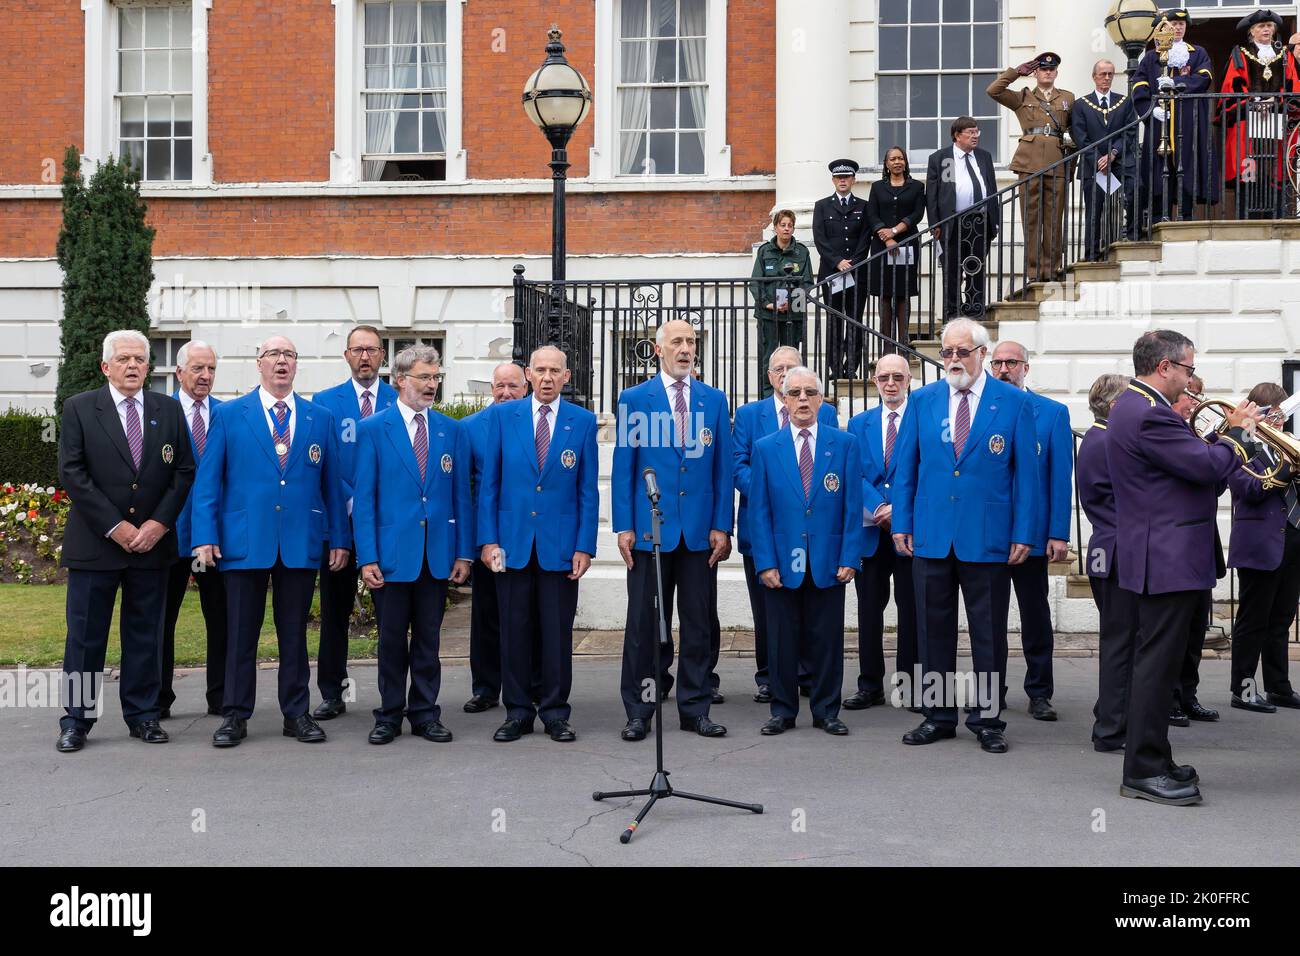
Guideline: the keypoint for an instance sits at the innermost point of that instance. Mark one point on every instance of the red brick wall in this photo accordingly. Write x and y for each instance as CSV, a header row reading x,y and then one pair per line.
x,y
42,87
271,90
751,86
421,225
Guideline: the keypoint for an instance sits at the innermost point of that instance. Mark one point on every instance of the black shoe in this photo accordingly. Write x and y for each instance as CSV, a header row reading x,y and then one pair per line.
x,y
559,730
165,713
636,729
717,697
70,741
832,725
477,704
329,709
776,725
927,733
1178,719
384,733
916,710
1040,708
305,729
1197,712
1162,789
863,699
512,730
231,732
992,741
150,731
703,726
1257,706
1107,749
1184,773
805,691
764,695
1290,700
433,730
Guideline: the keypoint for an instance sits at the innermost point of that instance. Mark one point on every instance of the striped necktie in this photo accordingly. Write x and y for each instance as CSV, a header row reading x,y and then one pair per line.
x,y
134,434
785,417
420,444
282,433
367,407
679,407
198,431
806,460
961,429
542,437
891,435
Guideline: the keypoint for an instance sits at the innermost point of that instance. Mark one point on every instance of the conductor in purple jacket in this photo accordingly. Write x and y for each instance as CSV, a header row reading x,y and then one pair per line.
x,y
1164,479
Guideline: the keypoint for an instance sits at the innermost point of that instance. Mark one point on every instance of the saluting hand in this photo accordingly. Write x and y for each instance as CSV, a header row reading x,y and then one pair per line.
x,y
149,534
373,577
581,562
1018,554
1024,69
720,542
460,570
338,559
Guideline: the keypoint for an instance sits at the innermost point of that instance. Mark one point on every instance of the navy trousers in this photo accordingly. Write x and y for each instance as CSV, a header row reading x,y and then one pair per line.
x,y
245,610
807,623
872,583
1036,637
338,596
484,633
212,599
415,607
536,602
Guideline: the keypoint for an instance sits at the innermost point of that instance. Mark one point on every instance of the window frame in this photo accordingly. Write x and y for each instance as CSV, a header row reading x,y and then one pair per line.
x,y
171,343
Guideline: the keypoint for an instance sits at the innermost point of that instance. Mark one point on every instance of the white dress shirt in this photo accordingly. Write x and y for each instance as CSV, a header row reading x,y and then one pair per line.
x,y
119,398
798,442
554,406
205,410
962,179
669,381
972,400
885,412
1104,100
268,403
372,388
409,415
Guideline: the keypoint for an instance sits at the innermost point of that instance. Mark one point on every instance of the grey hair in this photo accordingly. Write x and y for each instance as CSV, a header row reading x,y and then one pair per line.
x,y
799,370
978,334
659,332
1104,391
412,355
123,335
783,348
507,365
1024,352
1154,347
1099,63
183,354
548,348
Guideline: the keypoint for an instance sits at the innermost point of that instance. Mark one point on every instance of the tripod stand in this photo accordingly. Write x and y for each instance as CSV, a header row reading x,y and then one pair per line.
x,y
660,788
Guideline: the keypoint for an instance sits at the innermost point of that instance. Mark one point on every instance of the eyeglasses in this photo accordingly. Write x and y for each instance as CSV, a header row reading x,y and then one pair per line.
x,y
361,350
891,377
960,353
426,378
801,392
1007,364
1191,369
288,354
781,369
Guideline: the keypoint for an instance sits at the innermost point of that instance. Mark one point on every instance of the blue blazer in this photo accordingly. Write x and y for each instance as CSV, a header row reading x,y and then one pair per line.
x,y
556,511
695,479
817,534
401,521
757,420
183,546
1055,444
978,505
341,400
877,480
477,427
257,513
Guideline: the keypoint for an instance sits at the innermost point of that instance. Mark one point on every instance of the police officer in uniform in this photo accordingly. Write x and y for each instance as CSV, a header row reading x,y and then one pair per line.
x,y
1044,114
842,238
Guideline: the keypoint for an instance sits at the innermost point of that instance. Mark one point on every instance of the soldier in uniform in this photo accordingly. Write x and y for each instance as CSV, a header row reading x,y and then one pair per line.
x,y
842,238
1044,114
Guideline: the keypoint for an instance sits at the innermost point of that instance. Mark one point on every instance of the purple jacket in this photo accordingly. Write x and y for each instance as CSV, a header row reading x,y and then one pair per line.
x,y
1097,499
1258,521
1166,483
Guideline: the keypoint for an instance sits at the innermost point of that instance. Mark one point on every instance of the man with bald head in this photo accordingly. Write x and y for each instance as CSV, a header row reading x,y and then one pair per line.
x,y
508,384
877,430
269,501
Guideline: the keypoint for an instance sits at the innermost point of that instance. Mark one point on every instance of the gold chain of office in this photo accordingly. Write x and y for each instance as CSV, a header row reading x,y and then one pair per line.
x,y
1266,64
1117,101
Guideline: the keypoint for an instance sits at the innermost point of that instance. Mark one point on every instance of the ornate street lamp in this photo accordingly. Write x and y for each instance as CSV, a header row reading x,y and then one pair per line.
x,y
1130,24
557,98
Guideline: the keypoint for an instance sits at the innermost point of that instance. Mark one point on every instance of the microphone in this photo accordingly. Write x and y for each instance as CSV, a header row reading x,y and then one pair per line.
x,y
651,485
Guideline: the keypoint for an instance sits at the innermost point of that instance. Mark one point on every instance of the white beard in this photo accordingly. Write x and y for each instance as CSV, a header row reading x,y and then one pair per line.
x,y
1179,54
960,378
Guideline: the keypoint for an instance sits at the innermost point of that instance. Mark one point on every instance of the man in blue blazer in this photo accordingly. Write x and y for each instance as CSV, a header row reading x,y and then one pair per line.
x,y
1051,533
196,369
537,515
680,428
415,532
351,403
268,503
877,431
964,499
508,384
754,421
806,519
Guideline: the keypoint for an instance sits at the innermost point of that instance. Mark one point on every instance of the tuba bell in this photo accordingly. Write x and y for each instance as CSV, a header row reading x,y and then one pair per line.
x,y
1286,447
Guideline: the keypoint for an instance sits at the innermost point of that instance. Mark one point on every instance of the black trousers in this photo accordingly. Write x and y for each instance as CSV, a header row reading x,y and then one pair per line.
x,y
689,582
1099,234
806,622
212,599
1163,622
1036,637
965,274
844,339
872,583
338,595
787,329
986,592
245,610
1119,630
90,599
1264,617
536,603
484,633
758,609
414,607
1189,674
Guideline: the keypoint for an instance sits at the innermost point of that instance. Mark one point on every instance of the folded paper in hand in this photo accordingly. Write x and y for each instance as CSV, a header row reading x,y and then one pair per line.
x,y
841,282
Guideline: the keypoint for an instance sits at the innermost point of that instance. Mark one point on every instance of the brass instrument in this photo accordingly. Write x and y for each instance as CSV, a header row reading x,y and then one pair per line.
x,y
1286,447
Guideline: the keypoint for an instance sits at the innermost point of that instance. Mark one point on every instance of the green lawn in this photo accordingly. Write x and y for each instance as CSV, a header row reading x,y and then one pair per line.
x,y
33,629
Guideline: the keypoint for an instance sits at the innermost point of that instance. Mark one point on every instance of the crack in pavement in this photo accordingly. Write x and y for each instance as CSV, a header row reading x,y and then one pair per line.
x,y
82,803
625,803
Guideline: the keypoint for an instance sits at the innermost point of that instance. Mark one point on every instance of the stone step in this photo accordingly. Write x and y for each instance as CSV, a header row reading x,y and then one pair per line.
x,y
1012,312
1096,271
1135,252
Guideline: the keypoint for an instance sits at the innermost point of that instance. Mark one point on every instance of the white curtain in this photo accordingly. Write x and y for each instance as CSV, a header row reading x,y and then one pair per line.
x,y
695,24
435,31
379,116
634,101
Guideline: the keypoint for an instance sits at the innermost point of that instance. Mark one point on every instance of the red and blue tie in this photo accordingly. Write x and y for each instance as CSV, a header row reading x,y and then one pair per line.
x,y
542,437
420,445
806,461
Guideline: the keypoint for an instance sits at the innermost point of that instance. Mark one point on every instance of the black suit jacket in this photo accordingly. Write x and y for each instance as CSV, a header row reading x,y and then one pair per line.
x,y
96,470
1088,126
941,191
839,233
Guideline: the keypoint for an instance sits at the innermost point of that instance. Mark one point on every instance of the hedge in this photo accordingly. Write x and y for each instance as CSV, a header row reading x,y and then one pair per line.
x,y
29,448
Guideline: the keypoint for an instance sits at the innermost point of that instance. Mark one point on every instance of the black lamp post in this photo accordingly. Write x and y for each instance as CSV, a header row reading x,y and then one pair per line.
x,y
557,98
1130,24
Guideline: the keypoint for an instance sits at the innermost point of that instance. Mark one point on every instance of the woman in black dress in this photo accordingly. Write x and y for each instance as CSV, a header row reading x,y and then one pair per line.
x,y
894,210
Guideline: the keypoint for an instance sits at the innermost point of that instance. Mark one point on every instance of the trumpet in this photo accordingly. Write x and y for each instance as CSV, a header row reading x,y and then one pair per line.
x,y
1286,447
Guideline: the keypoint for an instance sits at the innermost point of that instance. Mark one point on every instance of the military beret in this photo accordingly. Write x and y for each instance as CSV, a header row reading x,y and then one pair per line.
x,y
843,167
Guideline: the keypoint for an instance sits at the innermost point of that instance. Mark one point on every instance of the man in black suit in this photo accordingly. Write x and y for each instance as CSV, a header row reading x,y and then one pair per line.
x,y
1093,118
959,179
841,236
125,460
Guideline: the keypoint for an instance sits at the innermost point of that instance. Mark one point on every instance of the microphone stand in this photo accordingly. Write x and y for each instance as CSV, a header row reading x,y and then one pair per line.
x,y
660,788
